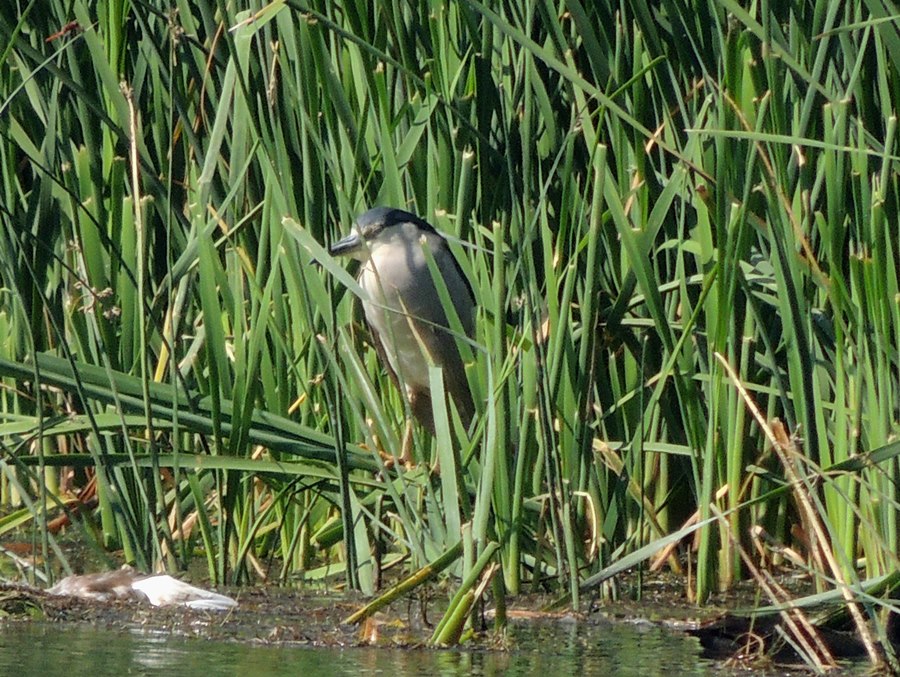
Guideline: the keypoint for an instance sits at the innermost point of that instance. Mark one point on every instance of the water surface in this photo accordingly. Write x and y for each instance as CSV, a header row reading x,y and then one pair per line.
x,y
36,648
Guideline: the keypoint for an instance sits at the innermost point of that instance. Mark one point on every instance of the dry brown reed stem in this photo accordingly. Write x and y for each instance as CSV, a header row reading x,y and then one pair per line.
x,y
803,632
788,455
690,521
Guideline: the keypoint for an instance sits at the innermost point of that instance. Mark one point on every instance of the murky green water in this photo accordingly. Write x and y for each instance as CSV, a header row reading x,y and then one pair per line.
x,y
546,649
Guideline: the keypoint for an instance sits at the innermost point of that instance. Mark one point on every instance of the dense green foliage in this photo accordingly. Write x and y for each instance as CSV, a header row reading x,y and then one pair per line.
x,y
640,194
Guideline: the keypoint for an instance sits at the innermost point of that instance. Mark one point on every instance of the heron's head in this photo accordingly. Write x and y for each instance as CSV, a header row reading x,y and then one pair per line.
x,y
380,226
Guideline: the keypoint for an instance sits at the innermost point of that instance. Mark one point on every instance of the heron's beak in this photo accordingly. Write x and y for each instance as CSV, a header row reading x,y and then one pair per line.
x,y
348,245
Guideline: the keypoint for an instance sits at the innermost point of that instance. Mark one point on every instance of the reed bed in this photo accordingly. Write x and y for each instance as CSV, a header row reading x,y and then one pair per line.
x,y
679,220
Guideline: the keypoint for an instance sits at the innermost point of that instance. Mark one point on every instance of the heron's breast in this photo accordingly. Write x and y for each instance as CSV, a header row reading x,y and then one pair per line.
x,y
392,310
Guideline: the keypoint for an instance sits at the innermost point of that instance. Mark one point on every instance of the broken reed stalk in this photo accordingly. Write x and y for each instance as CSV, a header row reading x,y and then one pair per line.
x,y
448,629
424,574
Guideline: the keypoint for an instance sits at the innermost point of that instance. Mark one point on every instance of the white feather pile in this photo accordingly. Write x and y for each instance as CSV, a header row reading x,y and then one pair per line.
x,y
126,583
163,590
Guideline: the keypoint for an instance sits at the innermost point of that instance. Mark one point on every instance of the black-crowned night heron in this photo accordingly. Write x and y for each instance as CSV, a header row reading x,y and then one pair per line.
x,y
409,326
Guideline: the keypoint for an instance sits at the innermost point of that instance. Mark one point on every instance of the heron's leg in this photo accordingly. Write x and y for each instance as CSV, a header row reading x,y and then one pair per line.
x,y
406,457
